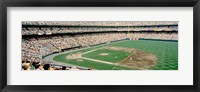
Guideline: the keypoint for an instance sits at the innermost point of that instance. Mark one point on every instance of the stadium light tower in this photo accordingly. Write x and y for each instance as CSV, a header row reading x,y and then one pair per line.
x,y
128,31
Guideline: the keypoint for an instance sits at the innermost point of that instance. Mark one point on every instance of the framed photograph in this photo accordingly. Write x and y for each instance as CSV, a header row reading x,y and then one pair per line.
x,y
121,45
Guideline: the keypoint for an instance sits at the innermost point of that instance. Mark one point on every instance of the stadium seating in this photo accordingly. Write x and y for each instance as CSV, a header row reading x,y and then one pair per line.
x,y
36,47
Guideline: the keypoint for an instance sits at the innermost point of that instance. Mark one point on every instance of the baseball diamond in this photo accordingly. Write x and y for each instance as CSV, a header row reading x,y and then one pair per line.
x,y
127,54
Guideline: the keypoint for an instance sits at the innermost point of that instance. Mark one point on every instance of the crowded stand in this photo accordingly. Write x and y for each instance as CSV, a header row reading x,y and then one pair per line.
x,y
54,30
34,48
101,23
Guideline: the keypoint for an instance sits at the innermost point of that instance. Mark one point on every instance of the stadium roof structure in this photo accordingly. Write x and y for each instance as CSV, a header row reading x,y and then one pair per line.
x,y
100,23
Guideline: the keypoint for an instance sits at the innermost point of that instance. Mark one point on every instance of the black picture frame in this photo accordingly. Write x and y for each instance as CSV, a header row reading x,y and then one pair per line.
x,y
100,3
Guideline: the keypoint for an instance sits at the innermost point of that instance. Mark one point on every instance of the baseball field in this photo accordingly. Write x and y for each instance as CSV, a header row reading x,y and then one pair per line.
x,y
125,55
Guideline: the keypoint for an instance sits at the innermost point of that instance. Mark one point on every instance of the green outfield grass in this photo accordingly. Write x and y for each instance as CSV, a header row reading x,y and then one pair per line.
x,y
166,53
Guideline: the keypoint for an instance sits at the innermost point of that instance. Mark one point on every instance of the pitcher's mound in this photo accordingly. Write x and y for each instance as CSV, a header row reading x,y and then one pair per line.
x,y
103,54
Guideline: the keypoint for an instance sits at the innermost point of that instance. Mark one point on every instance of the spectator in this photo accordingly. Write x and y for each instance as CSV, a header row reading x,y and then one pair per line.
x,y
63,67
46,66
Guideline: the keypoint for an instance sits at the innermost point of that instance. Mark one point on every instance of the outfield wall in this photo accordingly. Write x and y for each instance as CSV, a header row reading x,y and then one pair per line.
x,y
158,40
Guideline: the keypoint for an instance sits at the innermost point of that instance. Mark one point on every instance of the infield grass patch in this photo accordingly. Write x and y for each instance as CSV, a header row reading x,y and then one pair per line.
x,y
113,55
